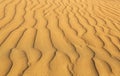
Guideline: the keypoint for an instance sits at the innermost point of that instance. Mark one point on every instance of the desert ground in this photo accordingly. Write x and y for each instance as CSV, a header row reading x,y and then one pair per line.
x,y
59,37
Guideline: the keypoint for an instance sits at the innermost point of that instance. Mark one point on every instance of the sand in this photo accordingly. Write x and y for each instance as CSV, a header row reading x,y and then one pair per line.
x,y
59,37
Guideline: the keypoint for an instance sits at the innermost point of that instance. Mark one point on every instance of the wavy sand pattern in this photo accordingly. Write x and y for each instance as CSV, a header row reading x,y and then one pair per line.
x,y
59,37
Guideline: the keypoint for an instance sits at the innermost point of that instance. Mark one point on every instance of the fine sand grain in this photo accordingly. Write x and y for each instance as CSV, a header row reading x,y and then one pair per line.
x,y
59,37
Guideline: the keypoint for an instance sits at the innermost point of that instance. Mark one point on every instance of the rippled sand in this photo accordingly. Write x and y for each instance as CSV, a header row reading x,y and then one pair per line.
x,y
59,37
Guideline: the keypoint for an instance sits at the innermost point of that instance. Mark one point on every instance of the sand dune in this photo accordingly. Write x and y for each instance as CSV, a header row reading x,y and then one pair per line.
x,y
59,37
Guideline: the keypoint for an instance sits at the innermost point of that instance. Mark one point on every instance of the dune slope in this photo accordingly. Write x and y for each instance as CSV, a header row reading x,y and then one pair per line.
x,y
59,37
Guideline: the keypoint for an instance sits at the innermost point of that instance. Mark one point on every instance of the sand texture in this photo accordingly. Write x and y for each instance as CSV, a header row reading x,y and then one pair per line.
x,y
59,37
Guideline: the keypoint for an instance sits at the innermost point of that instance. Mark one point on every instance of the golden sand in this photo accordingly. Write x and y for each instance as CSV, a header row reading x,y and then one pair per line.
x,y
59,37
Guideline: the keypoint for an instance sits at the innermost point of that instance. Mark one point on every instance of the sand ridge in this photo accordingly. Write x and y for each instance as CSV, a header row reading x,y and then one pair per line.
x,y
59,38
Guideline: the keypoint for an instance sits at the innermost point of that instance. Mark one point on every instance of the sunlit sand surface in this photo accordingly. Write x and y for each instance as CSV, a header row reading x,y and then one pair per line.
x,y
59,37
